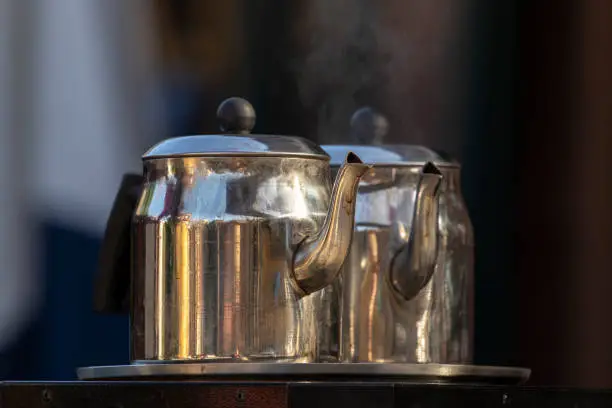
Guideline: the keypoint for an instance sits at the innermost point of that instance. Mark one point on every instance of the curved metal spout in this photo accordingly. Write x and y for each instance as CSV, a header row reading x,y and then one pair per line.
x,y
318,259
414,263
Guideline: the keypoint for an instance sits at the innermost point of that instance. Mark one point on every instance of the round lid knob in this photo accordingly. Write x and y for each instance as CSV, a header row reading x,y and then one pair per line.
x,y
368,126
236,115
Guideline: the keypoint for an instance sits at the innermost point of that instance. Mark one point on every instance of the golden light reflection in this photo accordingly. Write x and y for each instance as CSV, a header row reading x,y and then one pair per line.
x,y
162,242
237,278
374,262
182,274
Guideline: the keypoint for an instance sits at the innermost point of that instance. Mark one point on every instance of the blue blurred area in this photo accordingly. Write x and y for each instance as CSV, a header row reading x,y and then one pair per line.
x,y
67,333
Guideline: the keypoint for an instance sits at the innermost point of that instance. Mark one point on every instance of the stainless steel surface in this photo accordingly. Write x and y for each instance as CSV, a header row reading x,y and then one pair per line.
x,y
383,309
226,248
413,264
318,260
235,146
406,372
391,155
238,116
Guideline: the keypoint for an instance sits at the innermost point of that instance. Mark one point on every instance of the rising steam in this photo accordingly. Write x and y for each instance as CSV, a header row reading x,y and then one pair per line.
x,y
395,55
340,63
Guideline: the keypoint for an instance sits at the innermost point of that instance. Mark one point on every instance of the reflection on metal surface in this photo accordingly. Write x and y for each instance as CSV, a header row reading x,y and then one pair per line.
x,y
337,371
405,289
231,237
390,155
366,329
413,264
318,260
214,241
182,269
405,293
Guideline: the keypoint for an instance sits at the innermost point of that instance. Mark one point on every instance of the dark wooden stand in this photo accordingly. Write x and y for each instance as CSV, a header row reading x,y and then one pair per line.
x,y
288,394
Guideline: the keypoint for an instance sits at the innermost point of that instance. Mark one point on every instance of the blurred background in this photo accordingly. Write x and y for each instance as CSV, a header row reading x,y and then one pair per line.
x,y
520,94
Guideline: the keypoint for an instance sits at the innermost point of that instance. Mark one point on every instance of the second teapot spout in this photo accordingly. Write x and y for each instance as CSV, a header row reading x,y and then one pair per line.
x,y
318,259
414,263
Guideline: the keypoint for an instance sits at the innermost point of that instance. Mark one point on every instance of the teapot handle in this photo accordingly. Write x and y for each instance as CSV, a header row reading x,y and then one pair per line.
x,y
112,283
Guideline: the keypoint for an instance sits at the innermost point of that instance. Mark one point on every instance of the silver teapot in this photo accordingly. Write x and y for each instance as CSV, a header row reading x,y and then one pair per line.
x,y
231,236
405,292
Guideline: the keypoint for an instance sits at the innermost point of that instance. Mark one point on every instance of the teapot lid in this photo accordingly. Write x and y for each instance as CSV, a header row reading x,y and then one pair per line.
x,y
368,128
237,118
389,155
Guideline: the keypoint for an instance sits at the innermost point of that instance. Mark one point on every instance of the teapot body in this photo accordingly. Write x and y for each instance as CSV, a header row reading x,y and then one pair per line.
x,y
212,246
369,321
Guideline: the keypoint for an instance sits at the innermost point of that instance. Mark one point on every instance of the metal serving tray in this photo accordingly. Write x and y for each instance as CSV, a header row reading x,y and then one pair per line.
x,y
412,373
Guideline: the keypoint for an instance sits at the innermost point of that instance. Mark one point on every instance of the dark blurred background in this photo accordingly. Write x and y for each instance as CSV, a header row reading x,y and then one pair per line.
x,y
519,92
